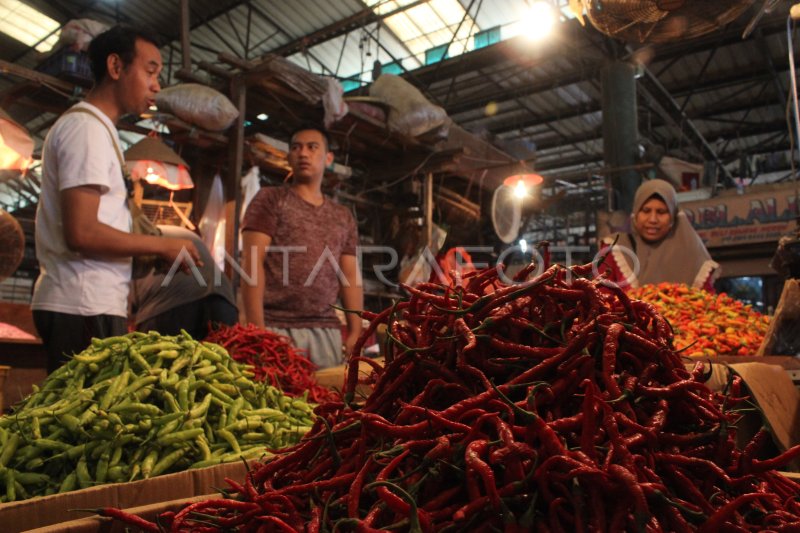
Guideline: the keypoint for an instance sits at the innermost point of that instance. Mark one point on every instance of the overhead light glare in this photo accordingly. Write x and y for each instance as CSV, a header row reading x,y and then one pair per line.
x,y
538,21
16,146
262,116
520,190
27,25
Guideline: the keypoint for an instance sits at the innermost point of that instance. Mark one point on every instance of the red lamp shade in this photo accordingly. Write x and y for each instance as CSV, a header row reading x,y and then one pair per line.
x,y
16,146
528,180
167,175
156,163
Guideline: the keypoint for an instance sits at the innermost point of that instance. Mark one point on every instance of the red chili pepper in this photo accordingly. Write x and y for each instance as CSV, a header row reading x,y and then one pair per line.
x,y
281,525
715,521
476,464
670,391
610,348
556,402
273,358
776,462
128,518
688,487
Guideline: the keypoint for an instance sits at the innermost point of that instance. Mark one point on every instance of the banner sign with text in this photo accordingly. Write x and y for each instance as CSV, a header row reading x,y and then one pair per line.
x,y
760,215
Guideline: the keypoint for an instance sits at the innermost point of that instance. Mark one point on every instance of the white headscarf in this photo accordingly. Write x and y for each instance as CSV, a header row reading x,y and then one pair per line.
x,y
680,257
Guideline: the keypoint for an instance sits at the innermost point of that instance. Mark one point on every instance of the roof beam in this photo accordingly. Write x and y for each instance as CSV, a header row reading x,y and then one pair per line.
x,y
728,134
570,78
764,49
514,123
269,19
496,53
512,93
514,50
337,29
730,35
593,107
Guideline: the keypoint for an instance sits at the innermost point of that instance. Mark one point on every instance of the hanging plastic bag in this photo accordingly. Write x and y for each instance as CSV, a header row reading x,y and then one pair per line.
x,y
422,265
78,33
199,105
333,102
212,223
250,185
410,112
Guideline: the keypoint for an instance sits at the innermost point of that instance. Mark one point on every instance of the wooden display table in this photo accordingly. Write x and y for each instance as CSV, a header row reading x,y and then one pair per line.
x,y
28,362
789,363
25,356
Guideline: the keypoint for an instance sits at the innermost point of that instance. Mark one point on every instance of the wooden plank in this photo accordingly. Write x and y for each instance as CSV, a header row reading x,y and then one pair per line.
x,y
786,361
186,46
215,70
190,77
234,61
233,206
35,76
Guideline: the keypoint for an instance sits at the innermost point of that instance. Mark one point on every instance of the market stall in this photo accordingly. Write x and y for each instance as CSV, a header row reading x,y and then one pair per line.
x,y
514,395
555,401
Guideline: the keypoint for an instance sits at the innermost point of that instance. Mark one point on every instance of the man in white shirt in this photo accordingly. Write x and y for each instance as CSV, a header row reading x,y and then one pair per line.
x,y
83,240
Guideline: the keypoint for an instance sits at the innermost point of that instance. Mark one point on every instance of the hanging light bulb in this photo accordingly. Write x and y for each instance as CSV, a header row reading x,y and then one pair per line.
x,y
520,190
537,22
16,146
523,183
151,177
156,163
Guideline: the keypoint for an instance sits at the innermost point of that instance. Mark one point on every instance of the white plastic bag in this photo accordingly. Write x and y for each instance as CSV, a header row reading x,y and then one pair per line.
x,y
250,185
212,223
410,112
333,102
78,33
199,105
417,267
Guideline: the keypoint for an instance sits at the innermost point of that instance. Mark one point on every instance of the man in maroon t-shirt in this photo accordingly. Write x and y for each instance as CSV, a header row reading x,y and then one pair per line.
x,y
299,255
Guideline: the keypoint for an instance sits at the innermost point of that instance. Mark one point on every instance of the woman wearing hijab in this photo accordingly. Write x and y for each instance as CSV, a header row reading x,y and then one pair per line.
x,y
662,247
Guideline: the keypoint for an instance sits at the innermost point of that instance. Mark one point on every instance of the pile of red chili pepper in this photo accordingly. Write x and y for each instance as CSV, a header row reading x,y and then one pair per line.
x,y
706,324
552,404
274,359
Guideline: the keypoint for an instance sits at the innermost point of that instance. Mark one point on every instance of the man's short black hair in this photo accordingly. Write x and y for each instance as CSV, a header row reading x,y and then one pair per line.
x,y
120,40
312,127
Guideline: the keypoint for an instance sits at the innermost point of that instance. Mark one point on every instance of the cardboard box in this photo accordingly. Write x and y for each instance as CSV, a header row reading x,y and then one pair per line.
x,y
770,385
45,511
771,389
97,524
333,377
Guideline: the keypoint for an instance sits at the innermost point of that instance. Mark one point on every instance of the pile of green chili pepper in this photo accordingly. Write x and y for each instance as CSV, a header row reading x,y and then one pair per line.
x,y
552,404
137,406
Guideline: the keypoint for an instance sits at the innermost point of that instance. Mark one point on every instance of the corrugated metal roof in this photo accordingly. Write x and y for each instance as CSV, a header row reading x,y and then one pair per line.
x,y
546,95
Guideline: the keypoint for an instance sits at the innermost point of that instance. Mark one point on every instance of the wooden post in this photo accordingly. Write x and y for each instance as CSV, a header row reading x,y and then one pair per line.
x,y
233,189
429,210
138,192
186,53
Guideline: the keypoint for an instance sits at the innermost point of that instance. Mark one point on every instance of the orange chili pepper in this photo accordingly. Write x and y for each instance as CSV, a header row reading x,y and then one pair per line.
x,y
710,324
